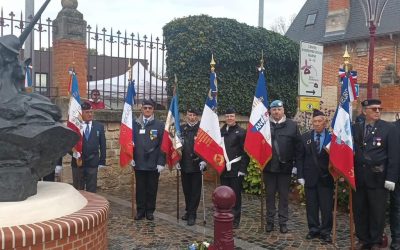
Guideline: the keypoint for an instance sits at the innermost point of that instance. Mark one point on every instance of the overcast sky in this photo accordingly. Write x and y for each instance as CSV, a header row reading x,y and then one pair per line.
x,y
149,16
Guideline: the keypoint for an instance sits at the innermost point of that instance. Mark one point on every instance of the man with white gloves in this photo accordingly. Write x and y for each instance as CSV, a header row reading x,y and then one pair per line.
x,y
236,160
149,159
313,174
376,169
191,167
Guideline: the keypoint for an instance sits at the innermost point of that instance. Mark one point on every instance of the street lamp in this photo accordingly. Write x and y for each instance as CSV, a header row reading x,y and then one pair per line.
x,y
373,12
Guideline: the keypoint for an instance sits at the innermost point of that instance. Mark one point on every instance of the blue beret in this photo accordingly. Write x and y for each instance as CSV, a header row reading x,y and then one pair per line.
x,y
276,104
370,102
230,110
148,102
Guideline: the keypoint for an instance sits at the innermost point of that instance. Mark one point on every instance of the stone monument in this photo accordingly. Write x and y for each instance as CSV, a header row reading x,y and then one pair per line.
x,y
32,137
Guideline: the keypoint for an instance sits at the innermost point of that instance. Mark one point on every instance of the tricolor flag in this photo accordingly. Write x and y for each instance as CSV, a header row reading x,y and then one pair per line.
x,y
28,76
258,136
171,142
341,153
75,111
208,143
126,143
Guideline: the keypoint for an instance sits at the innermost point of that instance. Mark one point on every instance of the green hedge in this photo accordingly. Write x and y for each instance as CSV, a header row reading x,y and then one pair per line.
x,y
190,41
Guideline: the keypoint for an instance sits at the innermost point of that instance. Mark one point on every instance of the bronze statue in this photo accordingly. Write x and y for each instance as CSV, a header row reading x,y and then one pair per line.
x,y
32,137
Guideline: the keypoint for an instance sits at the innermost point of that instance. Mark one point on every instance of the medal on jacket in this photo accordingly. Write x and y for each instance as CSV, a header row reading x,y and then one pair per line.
x,y
377,141
153,134
309,141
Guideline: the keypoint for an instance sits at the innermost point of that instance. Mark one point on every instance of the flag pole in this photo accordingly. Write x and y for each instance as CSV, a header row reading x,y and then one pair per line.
x,y
177,170
133,175
351,217
261,172
335,211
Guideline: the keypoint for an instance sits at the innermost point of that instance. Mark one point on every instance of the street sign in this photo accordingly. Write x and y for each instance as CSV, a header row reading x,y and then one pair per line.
x,y
307,104
310,69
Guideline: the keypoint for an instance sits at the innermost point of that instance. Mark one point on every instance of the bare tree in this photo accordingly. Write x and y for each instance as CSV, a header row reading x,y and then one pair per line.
x,y
281,25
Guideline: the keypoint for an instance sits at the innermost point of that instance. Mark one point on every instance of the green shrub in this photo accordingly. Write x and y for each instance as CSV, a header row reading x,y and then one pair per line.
x,y
252,181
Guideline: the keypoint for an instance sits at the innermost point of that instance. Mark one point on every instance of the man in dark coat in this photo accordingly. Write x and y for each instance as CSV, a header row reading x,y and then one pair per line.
x,y
314,174
376,170
286,151
191,167
148,161
93,152
395,208
236,160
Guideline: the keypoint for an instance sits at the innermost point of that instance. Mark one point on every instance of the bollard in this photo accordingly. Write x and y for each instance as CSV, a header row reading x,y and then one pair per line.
x,y
224,199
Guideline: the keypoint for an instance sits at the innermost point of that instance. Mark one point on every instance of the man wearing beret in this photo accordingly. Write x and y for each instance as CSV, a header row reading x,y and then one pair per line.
x,y
236,160
286,151
148,161
376,172
191,166
395,208
93,152
313,174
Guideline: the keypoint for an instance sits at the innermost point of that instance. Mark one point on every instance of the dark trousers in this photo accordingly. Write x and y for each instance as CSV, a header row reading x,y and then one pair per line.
x,y
85,178
191,185
50,177
395,217
146,191
319,198
236,184
369,206
277,183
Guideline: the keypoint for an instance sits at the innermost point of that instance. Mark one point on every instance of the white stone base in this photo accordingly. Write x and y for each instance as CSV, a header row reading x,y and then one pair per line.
x,y
53,200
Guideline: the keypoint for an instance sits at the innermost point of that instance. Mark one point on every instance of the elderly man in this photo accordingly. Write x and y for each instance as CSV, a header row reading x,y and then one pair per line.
x,y
376,170
149,160
314,174
286,151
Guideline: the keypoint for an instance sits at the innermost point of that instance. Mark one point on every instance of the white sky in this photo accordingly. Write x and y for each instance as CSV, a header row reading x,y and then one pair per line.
x,y
149,16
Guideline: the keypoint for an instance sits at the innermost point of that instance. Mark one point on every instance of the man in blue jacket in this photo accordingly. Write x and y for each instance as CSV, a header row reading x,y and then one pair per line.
x,y
149,161
93,152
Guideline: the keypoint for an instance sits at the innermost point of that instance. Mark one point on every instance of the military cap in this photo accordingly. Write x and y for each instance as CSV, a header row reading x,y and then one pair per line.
x,y
276,104
317,112
11,43
230,110
86,106
148,102
370,102
194,110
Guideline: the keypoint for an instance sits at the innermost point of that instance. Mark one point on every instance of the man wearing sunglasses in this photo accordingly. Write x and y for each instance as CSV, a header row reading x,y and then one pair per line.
x,y
148,161
376,170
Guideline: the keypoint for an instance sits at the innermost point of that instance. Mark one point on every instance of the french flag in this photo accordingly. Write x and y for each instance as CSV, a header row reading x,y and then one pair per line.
x,y
126,143
341,154
171,143
208,143
258,136
75,111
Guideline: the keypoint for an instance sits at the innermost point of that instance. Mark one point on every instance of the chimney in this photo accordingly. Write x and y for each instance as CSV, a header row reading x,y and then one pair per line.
x,y
338,17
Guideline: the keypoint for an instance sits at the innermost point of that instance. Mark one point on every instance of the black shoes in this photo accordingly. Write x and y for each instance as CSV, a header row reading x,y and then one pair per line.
x,y
312,235
139,217
326,238
236,224
191,221
269,227
184,217
149,216
283,228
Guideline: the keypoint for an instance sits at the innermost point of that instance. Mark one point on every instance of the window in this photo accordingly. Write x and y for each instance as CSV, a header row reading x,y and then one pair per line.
x,y
311,19
40,81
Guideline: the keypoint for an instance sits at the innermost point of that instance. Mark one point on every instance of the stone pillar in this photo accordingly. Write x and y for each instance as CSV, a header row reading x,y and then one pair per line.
x,y
224,199
338,16
69,48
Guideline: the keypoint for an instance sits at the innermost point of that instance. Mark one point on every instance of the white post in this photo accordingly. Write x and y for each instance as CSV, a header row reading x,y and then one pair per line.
x,y
261,13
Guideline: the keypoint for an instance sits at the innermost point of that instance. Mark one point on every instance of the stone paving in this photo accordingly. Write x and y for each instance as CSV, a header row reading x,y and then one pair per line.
x,y
166,232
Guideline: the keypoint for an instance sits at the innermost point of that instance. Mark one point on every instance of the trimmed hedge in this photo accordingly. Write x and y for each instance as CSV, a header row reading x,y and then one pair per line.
x,y
237,51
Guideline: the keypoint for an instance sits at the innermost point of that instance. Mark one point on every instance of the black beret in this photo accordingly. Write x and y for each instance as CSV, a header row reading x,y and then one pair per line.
x,y
370,102
317,112
148,102
194,110
230,110
86,106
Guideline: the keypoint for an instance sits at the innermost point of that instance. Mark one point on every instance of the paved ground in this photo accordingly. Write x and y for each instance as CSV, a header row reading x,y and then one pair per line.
x,y
165,232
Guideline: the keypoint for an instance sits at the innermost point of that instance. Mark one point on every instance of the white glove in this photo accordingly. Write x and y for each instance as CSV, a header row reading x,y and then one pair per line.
x,y
202,165
133,163
76,155
294,170
160,168
241,174
58,170
178,166
390,185
301,181
101,166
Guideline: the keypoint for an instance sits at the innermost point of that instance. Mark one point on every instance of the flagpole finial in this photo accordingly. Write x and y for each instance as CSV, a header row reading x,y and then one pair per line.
x,y
262,60
175,85
130,70
346,58
212,63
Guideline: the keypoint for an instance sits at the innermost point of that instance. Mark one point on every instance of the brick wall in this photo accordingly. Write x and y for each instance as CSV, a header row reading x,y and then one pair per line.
x,y
338,5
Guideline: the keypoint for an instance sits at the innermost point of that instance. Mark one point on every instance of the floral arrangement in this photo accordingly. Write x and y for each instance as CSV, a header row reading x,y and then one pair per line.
x,y
203,245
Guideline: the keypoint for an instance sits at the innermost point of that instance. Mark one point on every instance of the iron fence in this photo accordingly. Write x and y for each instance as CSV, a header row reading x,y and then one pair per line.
x,y
109,56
